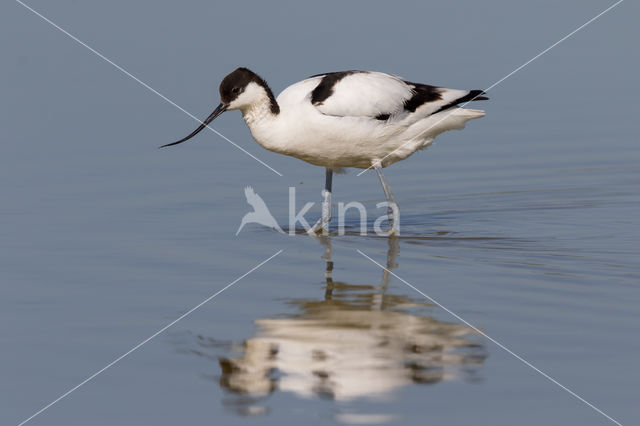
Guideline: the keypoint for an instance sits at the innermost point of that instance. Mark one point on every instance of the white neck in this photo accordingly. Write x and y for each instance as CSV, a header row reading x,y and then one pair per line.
x,y
258,111
263,123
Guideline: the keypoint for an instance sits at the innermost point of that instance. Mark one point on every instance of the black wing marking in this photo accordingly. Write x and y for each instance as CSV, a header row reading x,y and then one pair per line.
x,y
422,94
473,95
325,88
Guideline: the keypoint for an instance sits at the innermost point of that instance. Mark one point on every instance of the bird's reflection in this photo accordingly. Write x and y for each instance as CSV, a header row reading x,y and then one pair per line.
x,y
357,341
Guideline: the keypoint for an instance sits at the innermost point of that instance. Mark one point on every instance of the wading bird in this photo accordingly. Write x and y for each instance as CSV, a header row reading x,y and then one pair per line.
x,y
358,119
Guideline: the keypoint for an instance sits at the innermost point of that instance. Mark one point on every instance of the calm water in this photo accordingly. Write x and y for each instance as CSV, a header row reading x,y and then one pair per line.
x,y
525,224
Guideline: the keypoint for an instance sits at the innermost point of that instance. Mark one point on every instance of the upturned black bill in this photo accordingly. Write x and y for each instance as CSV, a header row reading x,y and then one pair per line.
x,y
216,112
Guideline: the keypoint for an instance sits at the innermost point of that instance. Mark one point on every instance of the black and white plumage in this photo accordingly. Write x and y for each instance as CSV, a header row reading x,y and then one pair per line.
x,y
343,119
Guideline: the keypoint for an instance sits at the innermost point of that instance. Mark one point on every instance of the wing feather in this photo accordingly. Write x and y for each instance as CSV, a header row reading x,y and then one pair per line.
x,y
366,94
382,96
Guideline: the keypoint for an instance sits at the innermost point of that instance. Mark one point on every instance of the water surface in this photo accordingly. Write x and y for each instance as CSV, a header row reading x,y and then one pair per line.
x,y
524,224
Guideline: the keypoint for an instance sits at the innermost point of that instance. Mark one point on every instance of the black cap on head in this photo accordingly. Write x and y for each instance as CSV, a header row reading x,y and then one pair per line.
x,y
235,83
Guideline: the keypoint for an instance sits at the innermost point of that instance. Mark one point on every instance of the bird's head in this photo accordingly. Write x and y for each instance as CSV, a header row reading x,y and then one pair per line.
x,y
243,88
239,90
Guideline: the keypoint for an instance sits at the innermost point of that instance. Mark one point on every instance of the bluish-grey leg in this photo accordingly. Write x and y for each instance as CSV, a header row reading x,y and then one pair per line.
x,y
392,207
322,225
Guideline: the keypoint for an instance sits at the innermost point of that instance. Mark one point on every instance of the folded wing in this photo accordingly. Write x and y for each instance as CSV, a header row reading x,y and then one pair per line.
x,y
382,96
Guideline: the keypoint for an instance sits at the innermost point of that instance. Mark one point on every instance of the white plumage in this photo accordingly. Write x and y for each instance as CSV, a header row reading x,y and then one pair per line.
x,y
342,131
345,119
363,95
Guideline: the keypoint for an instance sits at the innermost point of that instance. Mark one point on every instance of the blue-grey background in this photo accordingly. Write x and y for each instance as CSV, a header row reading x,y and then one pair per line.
x,y
525,223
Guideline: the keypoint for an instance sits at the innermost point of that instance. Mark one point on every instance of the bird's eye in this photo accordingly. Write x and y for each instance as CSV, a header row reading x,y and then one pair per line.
x,y
235,90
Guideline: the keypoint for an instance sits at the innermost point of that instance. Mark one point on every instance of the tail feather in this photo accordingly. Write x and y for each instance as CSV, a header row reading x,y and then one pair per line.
x,y
473,95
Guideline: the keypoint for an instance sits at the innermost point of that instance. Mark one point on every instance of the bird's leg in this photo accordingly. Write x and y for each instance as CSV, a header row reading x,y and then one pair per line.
x,y
322,225
392,206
